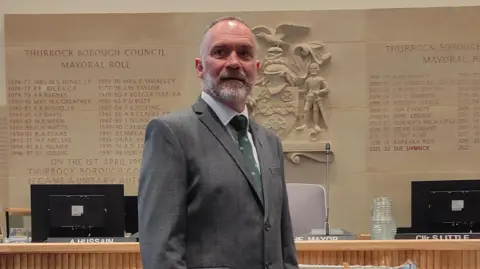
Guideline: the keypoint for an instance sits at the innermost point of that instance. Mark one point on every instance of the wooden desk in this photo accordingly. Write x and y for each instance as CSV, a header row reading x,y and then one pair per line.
x,y
70,256
428,254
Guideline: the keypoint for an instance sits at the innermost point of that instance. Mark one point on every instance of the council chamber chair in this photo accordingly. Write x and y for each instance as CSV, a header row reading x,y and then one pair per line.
x,y
308,207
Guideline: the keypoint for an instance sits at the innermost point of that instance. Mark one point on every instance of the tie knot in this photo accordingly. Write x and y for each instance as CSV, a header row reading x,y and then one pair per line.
x,y
240,123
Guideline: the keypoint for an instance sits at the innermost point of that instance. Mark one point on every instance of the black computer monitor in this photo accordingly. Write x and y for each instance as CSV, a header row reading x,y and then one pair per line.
x,y
449,206
77,210
131,214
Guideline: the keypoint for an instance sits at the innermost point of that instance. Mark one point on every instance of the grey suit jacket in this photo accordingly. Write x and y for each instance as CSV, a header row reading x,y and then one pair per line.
x,y
196,201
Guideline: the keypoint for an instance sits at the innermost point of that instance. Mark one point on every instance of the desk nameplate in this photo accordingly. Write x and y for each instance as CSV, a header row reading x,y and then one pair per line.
x,y
91,240
325,238
438,236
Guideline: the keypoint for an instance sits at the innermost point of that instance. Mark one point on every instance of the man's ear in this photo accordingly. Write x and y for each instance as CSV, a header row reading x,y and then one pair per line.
x,y
199,67
257,65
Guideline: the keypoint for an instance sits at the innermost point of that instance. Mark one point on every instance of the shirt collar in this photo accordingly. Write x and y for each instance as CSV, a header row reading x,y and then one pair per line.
x,y
224,113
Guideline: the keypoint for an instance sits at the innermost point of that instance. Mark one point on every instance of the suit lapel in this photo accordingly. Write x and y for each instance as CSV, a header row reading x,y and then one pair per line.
x,y
260,141
213,124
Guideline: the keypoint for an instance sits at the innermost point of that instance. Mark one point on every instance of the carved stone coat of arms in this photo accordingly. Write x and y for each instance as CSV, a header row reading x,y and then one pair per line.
x,y
290,92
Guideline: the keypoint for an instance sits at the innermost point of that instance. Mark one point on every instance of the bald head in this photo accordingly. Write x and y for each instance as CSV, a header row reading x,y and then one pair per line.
x,y
226,23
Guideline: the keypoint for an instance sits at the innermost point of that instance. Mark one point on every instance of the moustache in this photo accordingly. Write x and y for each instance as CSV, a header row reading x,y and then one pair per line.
x,y
239,77
242,79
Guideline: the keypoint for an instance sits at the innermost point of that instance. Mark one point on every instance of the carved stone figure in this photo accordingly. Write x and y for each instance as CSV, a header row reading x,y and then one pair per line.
x,y
316,89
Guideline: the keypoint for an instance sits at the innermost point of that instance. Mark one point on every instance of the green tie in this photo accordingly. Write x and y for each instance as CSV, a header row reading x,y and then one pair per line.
x,y
240,123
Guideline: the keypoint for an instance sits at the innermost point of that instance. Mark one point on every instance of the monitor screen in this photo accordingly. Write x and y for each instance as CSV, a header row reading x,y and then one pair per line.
x,y
447,206
454,206
77,210
131,214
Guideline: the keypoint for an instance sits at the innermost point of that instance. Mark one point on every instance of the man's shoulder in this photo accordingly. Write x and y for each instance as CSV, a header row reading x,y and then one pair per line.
x,y
177,115
174,119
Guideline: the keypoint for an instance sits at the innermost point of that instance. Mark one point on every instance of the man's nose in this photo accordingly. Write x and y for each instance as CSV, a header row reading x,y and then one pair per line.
x,y
233,61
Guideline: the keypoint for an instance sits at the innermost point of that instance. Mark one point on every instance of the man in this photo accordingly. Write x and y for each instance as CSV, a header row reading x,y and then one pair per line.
x,y
212,195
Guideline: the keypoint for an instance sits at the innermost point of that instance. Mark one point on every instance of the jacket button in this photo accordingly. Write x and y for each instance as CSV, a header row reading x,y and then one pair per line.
x,y
268,264
267,226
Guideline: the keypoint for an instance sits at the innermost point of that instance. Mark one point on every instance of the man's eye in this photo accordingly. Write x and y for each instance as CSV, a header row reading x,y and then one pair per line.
x,y
246,54
219,52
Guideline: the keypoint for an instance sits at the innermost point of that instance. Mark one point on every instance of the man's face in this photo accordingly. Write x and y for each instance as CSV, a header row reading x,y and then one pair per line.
x,y
229,66
314,68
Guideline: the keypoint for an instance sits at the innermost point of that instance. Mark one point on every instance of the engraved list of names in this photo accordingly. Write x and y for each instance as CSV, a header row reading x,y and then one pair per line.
x,y
424,105
78,115
4,150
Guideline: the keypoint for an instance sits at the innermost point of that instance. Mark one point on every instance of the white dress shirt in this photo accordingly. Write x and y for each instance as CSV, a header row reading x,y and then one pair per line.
x,y
225,114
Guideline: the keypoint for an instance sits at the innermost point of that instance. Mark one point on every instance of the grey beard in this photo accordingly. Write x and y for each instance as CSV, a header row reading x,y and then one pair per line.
x,y
230,91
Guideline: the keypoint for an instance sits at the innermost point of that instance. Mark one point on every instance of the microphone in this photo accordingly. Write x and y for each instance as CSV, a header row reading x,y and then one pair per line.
x,y
327,182
327,233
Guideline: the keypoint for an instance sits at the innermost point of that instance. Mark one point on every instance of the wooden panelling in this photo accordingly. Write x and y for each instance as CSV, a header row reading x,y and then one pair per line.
x,y
426,254
70,261
448,254
424,259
